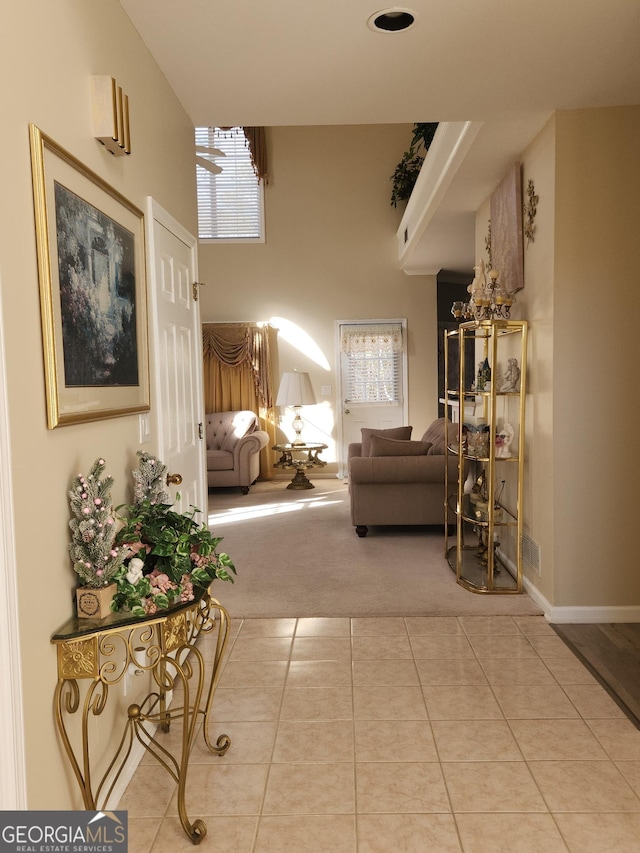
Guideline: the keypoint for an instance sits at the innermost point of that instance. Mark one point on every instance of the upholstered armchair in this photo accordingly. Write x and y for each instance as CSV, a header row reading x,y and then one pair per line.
x,y
396,481
234,442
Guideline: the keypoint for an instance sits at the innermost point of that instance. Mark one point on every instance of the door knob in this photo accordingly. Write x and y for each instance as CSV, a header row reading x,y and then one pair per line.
x,y
174,479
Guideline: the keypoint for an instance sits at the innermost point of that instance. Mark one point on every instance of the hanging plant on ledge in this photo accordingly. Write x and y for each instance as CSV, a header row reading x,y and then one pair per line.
x,y
408,169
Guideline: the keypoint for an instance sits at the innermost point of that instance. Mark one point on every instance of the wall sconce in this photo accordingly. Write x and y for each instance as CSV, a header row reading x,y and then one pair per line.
x,y
296,391
110,115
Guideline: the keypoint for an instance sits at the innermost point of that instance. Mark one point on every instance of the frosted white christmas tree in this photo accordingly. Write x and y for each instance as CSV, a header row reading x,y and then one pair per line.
x,y
149,480
95,556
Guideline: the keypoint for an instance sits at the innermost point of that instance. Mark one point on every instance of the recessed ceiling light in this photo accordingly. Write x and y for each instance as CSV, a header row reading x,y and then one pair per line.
x,y
392,20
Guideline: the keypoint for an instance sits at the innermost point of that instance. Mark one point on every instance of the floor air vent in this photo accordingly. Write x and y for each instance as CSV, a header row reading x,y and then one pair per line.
x,y
530,553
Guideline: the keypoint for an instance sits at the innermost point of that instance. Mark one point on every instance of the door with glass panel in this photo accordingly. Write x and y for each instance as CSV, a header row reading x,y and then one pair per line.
x,y
373,374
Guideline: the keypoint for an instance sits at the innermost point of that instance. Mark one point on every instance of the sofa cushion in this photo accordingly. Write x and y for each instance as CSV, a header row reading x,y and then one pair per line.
x,y
219,460
379,472
403,433
383,446
435,435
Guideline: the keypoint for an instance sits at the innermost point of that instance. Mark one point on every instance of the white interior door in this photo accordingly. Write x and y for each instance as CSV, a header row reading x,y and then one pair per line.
x,y
373,390
177,347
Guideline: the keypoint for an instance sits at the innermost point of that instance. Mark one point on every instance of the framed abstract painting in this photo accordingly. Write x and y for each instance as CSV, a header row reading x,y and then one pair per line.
x,y
93,302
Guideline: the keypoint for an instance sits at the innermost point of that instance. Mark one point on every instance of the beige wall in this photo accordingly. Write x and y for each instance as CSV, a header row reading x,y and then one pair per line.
x,y
330,255
581,300
596,404
45,66
537,304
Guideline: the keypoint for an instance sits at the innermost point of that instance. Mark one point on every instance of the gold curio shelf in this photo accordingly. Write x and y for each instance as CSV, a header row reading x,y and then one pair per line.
x,y
471,513
94,655
489,442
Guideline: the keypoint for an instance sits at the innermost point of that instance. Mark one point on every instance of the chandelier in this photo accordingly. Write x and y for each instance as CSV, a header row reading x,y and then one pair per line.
x,y
488,299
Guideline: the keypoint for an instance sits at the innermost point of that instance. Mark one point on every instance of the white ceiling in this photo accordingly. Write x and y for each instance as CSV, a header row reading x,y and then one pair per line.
x,y
505,63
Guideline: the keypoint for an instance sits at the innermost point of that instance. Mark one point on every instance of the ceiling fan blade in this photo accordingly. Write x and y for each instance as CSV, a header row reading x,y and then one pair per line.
x,y
207,164
214,152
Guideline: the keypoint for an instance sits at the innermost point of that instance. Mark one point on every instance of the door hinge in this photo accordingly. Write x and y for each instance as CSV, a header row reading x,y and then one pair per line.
x,y
200,431
195,286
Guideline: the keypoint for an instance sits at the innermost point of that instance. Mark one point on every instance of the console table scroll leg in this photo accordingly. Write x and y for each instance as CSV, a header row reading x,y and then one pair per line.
x,y
198,829
224,741
71,705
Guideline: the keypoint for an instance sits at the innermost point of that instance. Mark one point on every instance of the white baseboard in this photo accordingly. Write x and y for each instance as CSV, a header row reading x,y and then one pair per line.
x,y
533,592
581,615
573,614
567,615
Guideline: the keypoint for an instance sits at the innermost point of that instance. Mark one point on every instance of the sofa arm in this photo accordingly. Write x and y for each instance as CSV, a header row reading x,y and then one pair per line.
x,y
402,469
250,444
354,450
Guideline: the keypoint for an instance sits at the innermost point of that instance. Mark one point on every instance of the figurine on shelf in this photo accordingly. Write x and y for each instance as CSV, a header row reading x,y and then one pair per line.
x,y
503,441
511,376
483,380
479,280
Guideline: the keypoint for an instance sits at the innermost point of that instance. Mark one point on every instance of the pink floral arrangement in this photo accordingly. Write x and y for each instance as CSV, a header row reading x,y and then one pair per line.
x,y
156,556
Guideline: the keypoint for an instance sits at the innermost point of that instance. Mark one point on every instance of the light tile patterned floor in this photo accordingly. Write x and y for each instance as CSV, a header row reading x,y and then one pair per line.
x,y
480,734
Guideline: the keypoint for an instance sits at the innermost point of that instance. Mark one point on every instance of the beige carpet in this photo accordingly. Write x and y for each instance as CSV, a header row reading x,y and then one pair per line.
x,y
297,555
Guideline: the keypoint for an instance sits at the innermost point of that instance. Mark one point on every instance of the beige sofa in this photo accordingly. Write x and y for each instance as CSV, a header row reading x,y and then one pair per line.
x,y
234,442
396,481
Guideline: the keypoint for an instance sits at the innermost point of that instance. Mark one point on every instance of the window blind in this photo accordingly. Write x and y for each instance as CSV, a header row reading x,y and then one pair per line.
x,y
373,356
231,200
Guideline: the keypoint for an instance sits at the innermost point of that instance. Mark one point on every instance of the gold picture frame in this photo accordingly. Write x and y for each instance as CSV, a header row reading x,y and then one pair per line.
x,y
93,293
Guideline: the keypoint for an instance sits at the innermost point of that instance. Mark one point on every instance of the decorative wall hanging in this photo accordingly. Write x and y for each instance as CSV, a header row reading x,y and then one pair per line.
x,y
506,230
487,246
530,209
91,266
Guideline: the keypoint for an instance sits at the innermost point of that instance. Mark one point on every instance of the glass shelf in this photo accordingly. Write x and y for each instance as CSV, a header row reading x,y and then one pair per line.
x,y
471,458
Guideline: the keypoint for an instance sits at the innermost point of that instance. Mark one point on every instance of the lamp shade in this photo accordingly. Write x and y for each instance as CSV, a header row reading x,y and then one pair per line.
x,y
295,390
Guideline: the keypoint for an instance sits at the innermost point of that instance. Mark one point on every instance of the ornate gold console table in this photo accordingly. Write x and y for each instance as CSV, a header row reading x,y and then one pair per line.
x,y
95,654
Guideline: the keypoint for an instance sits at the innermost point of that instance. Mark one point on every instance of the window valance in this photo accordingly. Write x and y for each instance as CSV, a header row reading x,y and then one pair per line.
x,y
234,344
255,137
374,338
256,142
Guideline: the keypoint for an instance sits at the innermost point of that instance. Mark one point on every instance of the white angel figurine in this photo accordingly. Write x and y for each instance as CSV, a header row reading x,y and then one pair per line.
x,y
511,376
479,282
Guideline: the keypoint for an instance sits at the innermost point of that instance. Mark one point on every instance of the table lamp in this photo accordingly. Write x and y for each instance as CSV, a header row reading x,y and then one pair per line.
x,y
296,391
